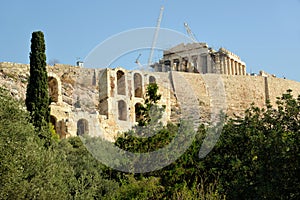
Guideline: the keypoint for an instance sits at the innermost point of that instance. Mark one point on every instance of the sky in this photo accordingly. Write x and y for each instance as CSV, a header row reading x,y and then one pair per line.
x,y
264,33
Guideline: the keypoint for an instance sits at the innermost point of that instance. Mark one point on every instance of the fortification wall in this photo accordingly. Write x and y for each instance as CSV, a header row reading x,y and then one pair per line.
x,y
278,86
241,91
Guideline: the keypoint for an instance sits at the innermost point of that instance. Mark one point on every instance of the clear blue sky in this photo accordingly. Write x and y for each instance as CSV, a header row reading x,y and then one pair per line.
x,y
264,33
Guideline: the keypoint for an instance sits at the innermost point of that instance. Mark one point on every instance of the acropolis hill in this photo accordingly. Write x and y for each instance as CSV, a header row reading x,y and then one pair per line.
x,y
86,100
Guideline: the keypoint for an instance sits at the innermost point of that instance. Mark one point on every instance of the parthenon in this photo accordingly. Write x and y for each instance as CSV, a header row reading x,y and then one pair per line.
x,y
199,58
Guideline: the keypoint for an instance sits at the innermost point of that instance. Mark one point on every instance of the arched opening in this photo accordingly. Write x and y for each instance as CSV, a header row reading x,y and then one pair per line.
x,y
82,127
152,79
122,110
53,89
138,91
138,111
121,84
62,128
53,121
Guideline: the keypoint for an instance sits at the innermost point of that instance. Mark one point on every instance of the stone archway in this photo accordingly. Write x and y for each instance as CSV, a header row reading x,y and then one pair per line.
x,y
82,127
138,85
122,110
137,111
54,87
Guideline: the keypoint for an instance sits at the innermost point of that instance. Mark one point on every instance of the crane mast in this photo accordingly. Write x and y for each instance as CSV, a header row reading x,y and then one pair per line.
x,y
155,36
190,33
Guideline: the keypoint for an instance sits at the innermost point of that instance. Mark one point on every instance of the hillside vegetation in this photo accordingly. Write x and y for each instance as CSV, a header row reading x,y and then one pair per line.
x,y
256,157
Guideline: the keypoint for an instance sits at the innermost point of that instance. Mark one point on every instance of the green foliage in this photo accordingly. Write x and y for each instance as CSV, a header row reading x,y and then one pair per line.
x,y
54,135
130,142
150,111
27,170
258,155
91,180
139,189
37,98
198,191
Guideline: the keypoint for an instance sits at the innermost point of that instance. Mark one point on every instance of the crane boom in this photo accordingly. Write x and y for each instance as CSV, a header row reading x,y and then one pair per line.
x,y
155,36
190,33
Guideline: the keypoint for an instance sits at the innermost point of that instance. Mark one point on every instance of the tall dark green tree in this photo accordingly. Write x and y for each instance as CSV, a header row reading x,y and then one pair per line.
x,y
37,97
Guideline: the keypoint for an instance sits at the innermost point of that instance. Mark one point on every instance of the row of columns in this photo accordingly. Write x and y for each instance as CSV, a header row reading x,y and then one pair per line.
x,y
192,62
231,67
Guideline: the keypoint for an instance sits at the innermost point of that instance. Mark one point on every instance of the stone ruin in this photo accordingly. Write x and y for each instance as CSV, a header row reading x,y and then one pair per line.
x,y
199,58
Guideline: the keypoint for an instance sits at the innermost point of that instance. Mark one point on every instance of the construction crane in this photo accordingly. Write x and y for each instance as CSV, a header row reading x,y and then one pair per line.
x,y
155,36
190,33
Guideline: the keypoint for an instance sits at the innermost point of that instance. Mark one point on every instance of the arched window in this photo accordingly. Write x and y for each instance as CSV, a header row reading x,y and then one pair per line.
x,y
53,121
53,89
122,110
138,86
82,127
152,79
121,84
137,111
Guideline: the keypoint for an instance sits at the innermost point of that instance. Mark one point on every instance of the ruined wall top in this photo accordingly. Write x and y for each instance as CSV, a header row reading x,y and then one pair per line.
x,y
185,47
229,54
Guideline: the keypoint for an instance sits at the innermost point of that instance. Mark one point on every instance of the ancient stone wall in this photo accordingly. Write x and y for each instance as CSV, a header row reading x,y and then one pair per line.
x,y
102,102
278,86
241,91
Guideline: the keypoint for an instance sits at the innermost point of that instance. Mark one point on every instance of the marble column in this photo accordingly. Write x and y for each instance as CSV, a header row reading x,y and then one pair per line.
x,y
241,69
229,66
209,64
236,68
222,70
232,66
224,65
244,70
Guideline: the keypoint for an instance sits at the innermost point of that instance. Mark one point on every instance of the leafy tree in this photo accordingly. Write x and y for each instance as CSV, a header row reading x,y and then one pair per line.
x,y
258,156
91,178
139,189
65,170
37,97
150,111
130,142
27,169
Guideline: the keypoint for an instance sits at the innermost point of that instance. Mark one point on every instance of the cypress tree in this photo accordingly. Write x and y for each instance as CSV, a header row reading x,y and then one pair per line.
x,y
37,97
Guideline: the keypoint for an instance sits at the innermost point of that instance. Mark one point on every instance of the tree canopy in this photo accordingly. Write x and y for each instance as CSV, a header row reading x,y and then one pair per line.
x,y
257,157
37,97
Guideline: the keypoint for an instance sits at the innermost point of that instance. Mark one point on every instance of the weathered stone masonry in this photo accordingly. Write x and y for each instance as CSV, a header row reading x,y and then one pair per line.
x,y
102,102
